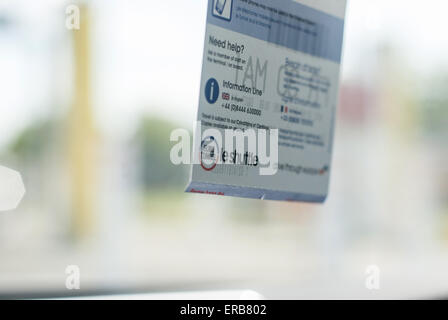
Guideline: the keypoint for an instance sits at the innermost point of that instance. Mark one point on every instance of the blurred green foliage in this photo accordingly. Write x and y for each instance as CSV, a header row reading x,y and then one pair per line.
x,y
34,141
153,144
434,111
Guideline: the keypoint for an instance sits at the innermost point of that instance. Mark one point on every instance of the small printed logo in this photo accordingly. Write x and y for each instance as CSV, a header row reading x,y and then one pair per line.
x,y
324,170
284,109
211,91
222,9
225,96
209,153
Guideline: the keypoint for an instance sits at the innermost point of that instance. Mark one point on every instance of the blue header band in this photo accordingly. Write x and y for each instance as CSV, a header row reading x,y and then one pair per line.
x,y
285,23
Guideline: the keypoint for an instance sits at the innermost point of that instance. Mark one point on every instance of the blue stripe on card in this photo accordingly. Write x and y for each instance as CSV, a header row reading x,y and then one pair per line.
x,y
285,23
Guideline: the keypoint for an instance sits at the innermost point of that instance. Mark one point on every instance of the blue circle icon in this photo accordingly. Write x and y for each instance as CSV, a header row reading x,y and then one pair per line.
x,y
211,90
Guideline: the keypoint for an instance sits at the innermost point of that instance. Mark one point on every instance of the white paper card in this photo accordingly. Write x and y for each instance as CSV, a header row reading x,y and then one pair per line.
x,y
269,66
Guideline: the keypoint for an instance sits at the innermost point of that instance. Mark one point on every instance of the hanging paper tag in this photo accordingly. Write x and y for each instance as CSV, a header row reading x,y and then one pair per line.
x,y
269,92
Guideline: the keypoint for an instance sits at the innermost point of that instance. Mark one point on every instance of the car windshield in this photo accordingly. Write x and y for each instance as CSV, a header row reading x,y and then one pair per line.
x,y
86,116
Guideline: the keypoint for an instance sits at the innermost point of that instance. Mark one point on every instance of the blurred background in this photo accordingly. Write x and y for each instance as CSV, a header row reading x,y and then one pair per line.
x,y
85,116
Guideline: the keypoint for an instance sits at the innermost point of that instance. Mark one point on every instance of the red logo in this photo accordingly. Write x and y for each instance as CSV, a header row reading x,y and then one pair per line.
x,y
209,153
225,96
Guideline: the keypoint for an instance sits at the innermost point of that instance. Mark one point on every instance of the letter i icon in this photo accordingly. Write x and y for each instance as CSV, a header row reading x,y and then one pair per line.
x,y
212,86
211,91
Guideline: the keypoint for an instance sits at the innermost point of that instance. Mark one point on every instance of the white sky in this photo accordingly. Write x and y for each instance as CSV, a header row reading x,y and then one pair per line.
x,y
147,54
